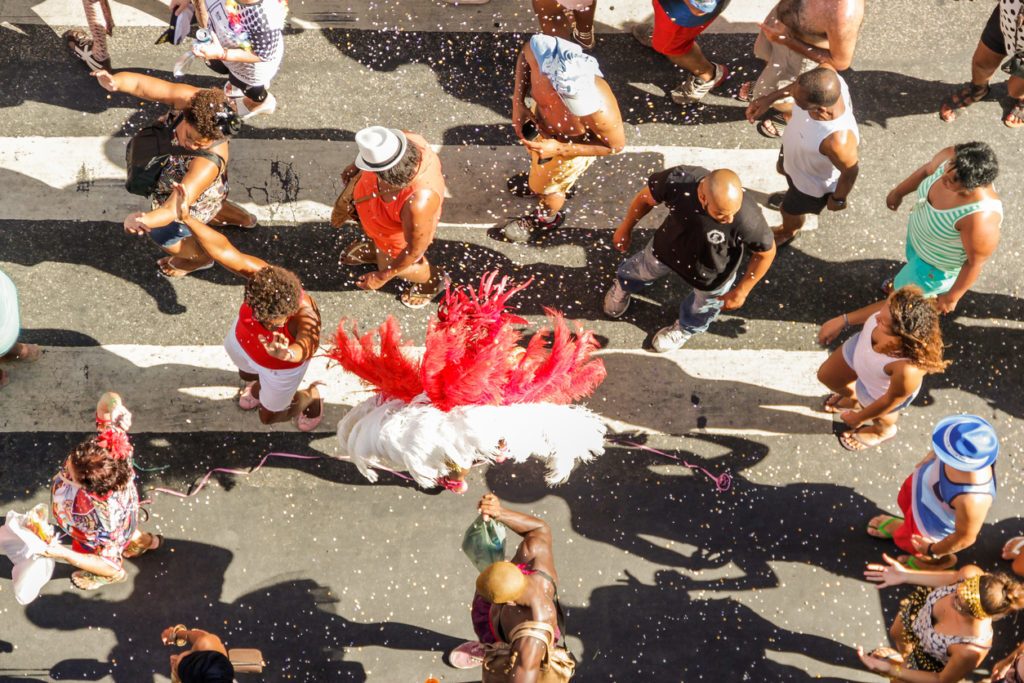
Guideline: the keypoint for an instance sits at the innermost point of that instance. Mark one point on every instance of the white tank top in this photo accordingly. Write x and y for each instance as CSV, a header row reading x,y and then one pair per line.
x,y
869,364
811,171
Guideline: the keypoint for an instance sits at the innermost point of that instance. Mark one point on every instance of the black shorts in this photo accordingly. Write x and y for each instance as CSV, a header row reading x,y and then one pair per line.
x,y
796,203
256,93
992,35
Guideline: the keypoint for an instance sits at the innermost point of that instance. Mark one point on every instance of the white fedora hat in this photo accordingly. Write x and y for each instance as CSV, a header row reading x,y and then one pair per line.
x,y
380,148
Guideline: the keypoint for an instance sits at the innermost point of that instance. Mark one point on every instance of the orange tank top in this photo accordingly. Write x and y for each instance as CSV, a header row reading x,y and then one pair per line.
x,y
382,221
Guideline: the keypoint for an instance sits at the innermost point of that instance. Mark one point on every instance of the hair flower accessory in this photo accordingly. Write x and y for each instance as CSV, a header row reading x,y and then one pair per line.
x,y
116,443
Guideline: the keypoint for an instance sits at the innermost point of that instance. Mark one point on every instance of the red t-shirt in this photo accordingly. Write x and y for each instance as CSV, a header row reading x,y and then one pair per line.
x,y
251,334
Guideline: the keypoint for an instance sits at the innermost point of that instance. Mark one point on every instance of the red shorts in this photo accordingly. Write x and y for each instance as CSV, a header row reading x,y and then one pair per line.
x,y
902,536
669,37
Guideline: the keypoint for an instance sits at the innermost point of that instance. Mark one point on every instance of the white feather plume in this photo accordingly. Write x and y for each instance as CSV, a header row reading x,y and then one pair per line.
x,y
426,442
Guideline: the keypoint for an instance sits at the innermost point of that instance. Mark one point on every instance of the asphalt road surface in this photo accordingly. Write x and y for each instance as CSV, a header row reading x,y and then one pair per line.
x,y
664,577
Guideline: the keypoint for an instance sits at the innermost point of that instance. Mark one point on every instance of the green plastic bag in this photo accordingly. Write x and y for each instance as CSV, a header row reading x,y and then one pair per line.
x,y
484,542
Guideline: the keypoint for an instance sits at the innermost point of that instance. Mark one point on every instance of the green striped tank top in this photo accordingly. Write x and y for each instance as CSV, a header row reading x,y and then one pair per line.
x,y
932,232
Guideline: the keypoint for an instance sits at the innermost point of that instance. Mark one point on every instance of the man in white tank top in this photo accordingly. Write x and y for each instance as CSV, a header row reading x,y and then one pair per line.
x,y
819,147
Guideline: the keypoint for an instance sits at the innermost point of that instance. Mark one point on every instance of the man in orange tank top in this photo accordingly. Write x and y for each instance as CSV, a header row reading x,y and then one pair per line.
x,y
397,199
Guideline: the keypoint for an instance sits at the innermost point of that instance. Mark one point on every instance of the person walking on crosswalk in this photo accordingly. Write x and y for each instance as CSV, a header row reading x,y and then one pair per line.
x,y
819,148
954,225
248,49
797,36
201,122
673,33
395,189
275,335
575,120
710,226
10,328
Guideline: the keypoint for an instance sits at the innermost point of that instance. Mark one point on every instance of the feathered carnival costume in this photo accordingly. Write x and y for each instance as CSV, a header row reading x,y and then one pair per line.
x,y
475,395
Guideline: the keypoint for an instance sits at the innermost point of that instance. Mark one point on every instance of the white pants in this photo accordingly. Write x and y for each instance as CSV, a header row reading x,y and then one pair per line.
x,y
277,387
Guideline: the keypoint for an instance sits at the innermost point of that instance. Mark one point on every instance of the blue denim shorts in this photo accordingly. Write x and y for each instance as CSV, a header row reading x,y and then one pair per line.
x,y
170,234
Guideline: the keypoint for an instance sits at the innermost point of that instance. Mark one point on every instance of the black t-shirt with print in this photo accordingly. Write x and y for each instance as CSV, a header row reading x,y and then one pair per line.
x,y
704,252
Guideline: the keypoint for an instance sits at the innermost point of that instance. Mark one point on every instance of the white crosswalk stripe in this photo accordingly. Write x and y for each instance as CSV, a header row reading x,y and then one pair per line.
x,y
424,15
298,180
174,389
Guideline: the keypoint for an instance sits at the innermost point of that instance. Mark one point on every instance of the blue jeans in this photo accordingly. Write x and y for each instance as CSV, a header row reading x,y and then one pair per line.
x,y
696,312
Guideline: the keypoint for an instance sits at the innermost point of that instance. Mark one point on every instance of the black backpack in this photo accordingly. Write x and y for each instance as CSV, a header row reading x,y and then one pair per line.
x,y
148,152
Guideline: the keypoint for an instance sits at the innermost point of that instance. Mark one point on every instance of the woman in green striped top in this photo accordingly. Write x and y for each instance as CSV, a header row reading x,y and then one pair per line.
x,y
954,224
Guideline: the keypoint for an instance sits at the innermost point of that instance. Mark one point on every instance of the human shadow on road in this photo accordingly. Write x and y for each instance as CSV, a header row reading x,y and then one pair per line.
x,y
291,621
634,631
611,502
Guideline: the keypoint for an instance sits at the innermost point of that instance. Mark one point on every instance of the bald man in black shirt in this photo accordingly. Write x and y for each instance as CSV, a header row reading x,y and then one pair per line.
x,y
710,226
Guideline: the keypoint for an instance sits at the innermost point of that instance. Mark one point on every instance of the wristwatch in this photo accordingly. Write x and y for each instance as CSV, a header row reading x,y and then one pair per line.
x,y
840,202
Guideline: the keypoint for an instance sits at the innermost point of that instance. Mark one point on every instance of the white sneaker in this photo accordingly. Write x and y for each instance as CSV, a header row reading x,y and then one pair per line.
x,y
644,34
616,300
233,92
693,88
670,338
267,106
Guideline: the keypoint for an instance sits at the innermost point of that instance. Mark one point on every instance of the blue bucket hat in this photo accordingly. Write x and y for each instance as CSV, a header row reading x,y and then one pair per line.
x,y
965,442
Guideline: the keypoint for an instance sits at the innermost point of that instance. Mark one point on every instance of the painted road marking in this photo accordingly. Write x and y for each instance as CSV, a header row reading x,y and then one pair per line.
x,y
194,388
393,15
297,181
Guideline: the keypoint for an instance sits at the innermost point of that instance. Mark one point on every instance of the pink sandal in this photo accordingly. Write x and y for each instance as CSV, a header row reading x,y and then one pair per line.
x,y
306,423
454,485
469,655
247,401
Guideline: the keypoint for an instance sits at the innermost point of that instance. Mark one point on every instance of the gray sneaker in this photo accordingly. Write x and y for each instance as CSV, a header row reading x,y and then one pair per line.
x,y
670,338
644,34
616,300
693,88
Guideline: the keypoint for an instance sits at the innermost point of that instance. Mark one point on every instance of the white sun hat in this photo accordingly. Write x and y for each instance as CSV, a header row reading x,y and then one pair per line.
x,y
380,148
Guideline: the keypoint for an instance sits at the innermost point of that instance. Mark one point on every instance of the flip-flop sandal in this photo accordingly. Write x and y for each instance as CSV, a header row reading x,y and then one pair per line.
x,y
887,286
247,401
467,656
881,528
133,550
454,485
768,126
87,581
1016,113
303,421
961,99
1013,548
358,253
167,267
851,442
831,404
886,654
743,94
911,562
415,297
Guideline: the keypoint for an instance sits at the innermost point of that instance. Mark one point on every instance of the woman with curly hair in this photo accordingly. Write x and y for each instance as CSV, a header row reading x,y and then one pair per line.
x,y
878,371
944,628
95,501
275,335
203,121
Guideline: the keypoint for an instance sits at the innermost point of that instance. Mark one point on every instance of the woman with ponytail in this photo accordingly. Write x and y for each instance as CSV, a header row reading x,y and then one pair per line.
x,y
95,501
944,628
878,371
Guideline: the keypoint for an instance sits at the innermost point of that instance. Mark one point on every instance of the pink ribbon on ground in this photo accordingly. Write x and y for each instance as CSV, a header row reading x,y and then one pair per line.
x,y
194,489
722,481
